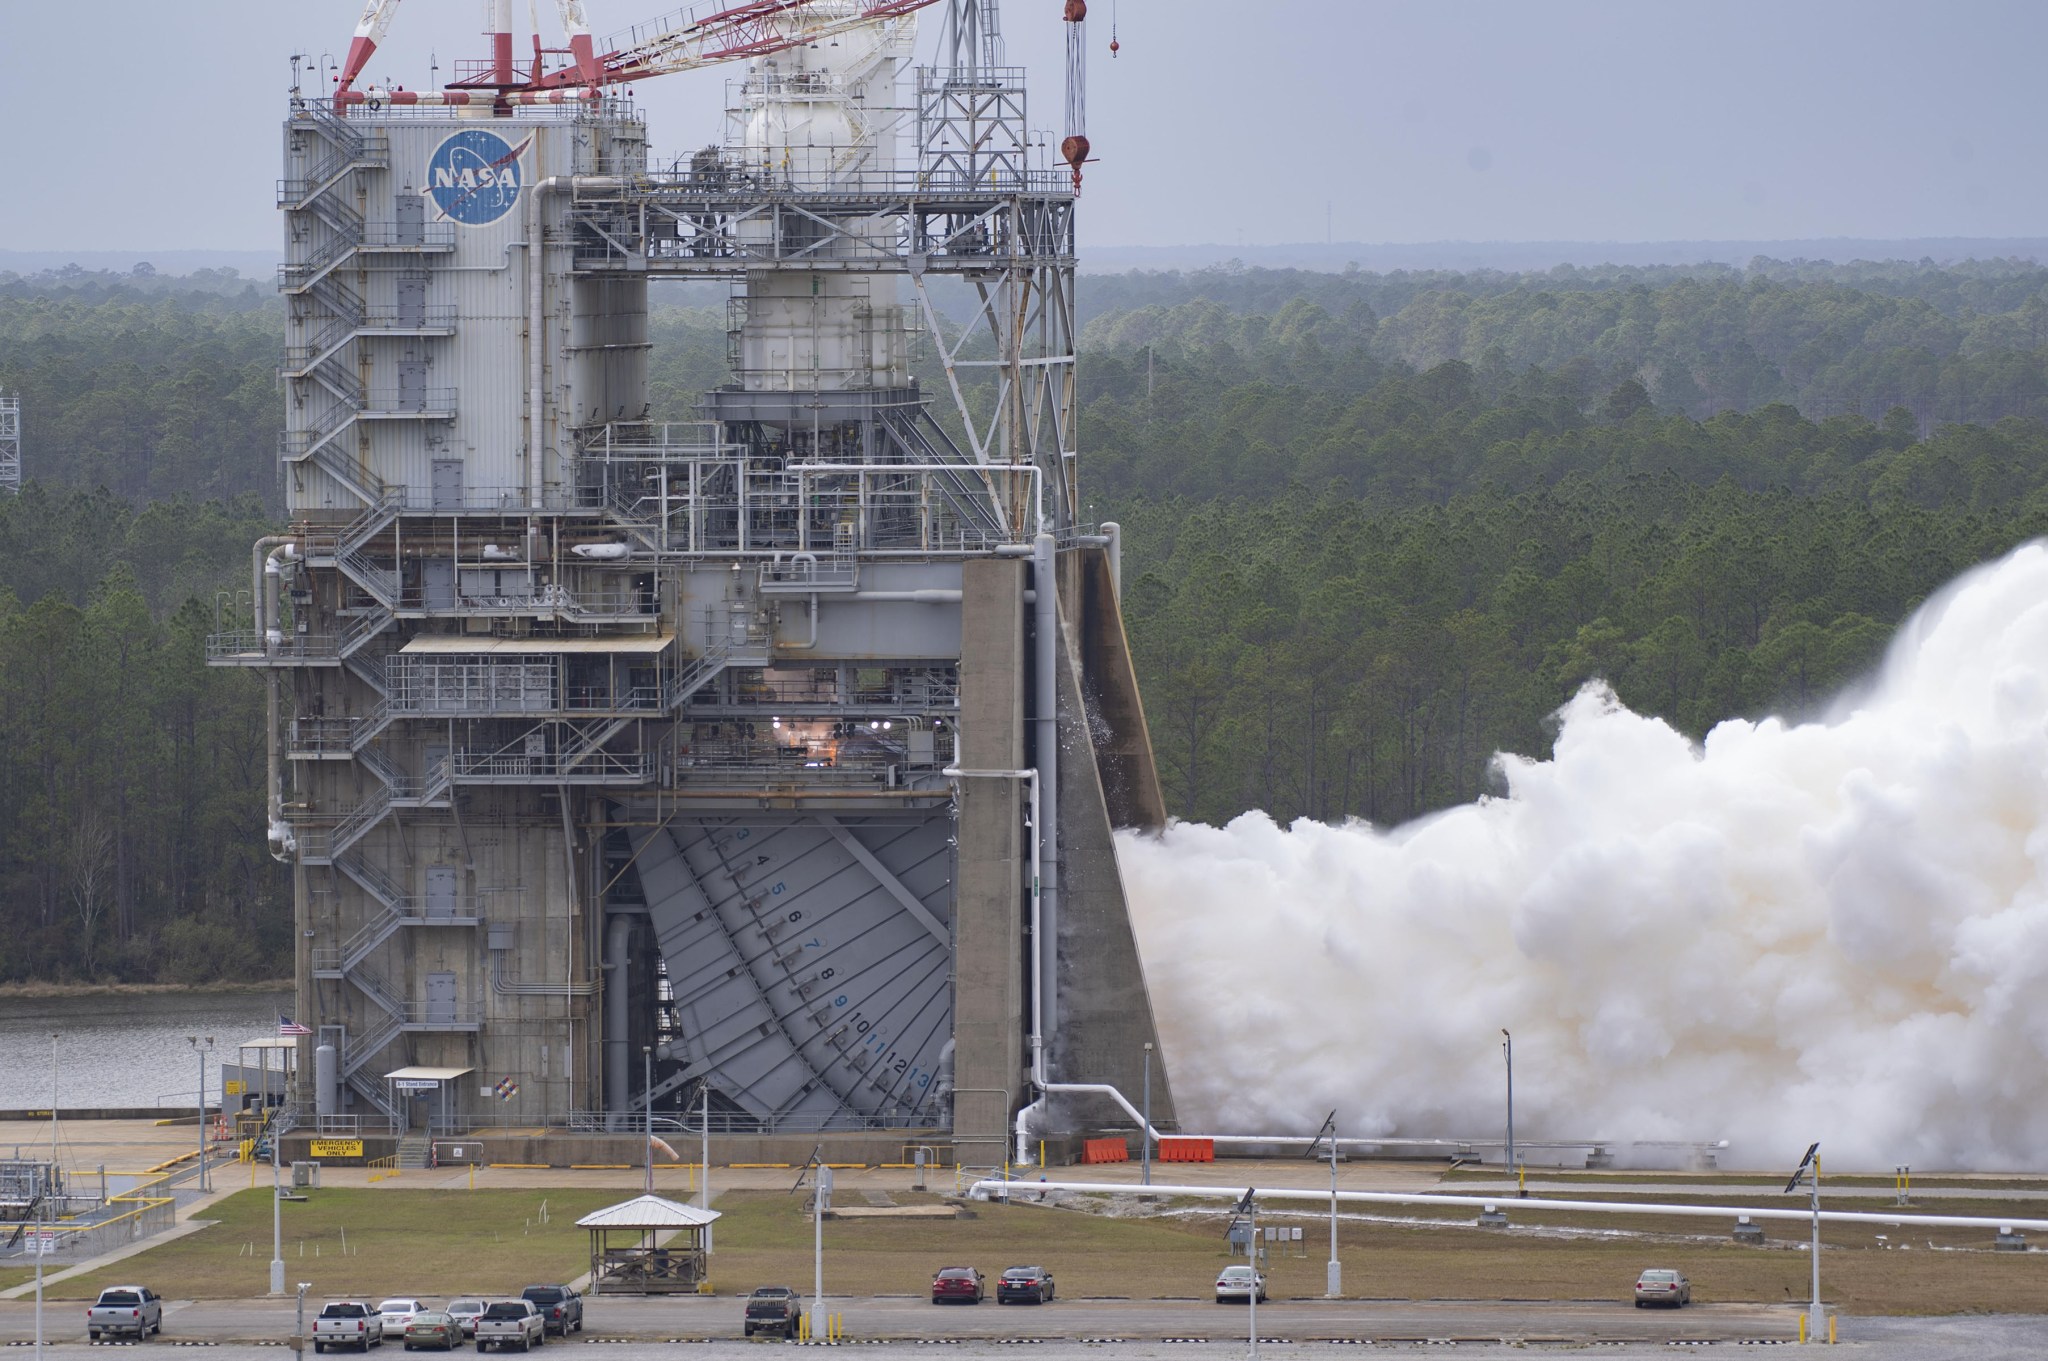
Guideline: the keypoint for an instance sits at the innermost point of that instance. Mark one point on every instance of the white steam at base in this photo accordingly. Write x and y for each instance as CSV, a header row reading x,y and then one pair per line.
x,y
1833,931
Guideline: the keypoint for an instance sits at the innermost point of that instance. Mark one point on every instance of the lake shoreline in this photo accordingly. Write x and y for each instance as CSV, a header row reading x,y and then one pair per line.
x,y
40,989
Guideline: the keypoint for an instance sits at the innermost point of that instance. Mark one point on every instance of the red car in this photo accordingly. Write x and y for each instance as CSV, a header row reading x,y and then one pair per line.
x,y
957,1283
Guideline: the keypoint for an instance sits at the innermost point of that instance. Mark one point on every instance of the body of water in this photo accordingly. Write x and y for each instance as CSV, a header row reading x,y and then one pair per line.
x,y
122,1049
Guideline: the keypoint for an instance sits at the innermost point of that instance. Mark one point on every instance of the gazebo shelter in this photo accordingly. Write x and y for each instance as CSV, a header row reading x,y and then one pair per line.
x,y
649,1246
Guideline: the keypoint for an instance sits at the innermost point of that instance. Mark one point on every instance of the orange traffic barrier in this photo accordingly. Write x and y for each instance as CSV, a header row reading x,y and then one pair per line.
x,y
1187,1150
1104,1151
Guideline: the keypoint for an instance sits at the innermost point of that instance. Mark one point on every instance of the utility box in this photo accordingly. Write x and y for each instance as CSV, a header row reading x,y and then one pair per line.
x,y
305,1174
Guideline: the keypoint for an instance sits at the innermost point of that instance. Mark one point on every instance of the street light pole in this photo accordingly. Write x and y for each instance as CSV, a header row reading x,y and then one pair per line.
x,y
193,1040
1336,1274
1145,1134
1816,1316
271,1120
1509,1047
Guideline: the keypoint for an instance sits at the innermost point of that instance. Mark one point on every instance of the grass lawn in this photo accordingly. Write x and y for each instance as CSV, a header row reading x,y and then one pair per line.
x,y
433,1243
439,1243
765,1239
10,1277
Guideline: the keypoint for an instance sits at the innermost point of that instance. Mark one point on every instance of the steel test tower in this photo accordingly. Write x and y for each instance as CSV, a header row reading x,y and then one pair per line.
x,y
773,755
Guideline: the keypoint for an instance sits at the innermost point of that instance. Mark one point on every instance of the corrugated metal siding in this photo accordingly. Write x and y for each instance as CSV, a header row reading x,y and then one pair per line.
x,y
484,282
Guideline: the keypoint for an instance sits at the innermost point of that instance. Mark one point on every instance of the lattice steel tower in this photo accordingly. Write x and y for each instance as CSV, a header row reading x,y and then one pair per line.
x,y
10,443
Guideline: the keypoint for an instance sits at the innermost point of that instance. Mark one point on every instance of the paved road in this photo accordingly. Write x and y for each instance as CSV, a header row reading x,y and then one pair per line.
x,y
916,1319
1958,1339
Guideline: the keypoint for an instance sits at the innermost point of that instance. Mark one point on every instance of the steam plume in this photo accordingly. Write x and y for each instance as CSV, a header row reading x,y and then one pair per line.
x,y
1833,930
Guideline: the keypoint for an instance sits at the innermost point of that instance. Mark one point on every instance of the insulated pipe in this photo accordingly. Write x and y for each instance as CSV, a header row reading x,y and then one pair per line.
x,y
996,1186
536,320
618,944
1096,1088
259,596
927,597
1114,532
264,571
273,580
1047,744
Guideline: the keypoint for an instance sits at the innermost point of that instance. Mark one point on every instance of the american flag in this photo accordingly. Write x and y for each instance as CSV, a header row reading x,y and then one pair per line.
x,y
287,1026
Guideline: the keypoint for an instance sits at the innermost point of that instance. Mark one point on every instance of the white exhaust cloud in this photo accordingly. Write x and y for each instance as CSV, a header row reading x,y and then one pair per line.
x,y
1834,930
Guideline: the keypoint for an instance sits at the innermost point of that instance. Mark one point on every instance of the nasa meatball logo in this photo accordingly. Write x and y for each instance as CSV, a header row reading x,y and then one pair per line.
x,y
474,177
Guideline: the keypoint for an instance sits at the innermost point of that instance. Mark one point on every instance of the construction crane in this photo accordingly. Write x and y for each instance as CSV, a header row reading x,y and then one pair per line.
x,y
704,35
685,40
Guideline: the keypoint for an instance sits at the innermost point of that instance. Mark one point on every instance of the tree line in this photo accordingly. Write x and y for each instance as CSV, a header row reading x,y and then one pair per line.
x,y
1378,528
131,774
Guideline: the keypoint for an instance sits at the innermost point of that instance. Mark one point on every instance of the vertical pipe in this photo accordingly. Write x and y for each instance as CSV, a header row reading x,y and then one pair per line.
x,y
1046,743
647,1090
617,1014
1115,533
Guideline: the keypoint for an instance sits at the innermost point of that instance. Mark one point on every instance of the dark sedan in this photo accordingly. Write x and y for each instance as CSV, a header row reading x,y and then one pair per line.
x,y
1022,1283
961,1283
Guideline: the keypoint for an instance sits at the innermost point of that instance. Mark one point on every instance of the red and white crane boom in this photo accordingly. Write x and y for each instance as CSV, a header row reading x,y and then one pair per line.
x,y
703,35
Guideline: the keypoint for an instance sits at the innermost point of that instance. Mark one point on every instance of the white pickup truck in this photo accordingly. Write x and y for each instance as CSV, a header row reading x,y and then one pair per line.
x,y
125,1309
511,1323
348,1323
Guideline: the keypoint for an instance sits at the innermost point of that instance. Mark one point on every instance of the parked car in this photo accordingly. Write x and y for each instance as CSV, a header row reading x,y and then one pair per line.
x,y
957,1283
435,1328
466,1311
561,1308
395,1314
125,1309
774,1309
1662,1286
347,1323
1022,1283
510,1323
1238,1282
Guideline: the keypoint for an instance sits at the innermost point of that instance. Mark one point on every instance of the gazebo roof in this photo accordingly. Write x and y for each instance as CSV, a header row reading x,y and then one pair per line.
x,y
647,1212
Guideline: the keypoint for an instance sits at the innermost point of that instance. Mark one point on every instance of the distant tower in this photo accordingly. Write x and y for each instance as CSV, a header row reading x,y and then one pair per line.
x,y
10,443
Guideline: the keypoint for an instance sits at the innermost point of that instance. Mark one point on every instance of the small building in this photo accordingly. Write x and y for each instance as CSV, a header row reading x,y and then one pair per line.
x,y
649,1246
420,1096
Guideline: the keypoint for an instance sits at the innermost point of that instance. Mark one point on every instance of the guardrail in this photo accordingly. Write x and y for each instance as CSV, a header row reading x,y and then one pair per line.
x,y
143,1214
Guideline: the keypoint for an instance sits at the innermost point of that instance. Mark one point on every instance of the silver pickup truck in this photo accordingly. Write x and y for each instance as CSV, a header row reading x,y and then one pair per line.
x,y
125,1309
511,1323
348,1323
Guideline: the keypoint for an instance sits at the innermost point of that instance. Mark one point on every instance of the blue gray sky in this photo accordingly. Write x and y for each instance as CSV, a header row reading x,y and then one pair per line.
x,y
141,124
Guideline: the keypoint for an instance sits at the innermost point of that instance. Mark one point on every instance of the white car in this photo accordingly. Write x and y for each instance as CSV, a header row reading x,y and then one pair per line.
x,y
397,1313
1237,1283
466,1311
